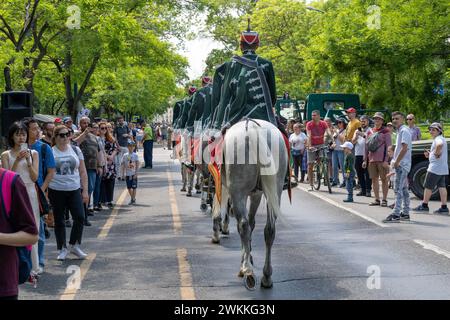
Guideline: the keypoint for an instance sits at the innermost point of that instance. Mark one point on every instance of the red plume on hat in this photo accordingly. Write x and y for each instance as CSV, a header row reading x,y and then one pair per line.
x,y
249,37
206,80
192,90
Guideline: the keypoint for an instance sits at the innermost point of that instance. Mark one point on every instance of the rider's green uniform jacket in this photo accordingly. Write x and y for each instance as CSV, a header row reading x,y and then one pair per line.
x,y
201,104
219,77
248,90
176,113
187,103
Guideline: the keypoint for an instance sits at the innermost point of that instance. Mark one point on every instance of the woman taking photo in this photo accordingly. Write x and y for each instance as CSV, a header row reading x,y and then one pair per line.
x,y
110,173
25,162
65,192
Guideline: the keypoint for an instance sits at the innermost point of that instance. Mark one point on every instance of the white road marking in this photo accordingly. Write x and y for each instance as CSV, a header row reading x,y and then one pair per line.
x,y
340,206
432,247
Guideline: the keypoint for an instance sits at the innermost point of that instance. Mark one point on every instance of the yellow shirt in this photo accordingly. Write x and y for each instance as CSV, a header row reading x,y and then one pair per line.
x,y
351,128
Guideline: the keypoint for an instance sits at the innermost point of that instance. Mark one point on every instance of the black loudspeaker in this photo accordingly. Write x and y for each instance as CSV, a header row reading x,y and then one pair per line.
x,y
16,105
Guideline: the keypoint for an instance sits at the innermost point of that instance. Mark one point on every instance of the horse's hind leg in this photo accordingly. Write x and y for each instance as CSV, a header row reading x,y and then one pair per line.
x,y
217,220
226,220
269,236
183,177
243,226
255,201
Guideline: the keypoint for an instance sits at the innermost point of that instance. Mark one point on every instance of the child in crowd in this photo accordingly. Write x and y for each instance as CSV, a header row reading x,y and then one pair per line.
x,y
349,169
129,170
391,174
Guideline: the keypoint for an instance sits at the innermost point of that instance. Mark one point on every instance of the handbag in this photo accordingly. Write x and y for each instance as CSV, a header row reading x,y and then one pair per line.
x,y
44,206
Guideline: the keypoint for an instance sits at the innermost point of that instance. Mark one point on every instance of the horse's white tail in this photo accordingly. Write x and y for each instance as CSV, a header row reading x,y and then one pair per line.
x,y
268,161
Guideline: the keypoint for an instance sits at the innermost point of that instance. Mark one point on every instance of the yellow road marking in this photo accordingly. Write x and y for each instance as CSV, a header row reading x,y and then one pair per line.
x,y
186,289
184,269
69,293
109,223
177,226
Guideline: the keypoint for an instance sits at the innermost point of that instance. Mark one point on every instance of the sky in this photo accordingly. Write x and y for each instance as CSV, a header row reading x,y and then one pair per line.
x,y
197,51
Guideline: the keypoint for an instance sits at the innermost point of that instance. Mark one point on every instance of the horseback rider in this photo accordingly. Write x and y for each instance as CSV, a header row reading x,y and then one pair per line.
x,y
186,166
200,110
247,89
186,106
247,86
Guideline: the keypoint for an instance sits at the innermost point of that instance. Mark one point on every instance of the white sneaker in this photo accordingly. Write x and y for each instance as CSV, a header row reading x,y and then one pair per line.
x,y
40,271
75,249
62,254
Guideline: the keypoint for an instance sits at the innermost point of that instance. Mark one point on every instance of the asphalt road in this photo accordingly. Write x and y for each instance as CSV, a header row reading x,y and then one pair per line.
x,y
324,249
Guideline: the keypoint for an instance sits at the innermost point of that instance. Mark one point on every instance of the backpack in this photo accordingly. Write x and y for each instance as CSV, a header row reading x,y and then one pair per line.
x,y
374,142
7,180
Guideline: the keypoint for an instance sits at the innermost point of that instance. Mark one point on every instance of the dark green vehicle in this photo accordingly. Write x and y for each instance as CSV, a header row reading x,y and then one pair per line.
x,y
419,168
333,106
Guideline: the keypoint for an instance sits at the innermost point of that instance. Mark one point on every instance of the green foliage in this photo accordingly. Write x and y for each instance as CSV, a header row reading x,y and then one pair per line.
x,y
397,66
120,57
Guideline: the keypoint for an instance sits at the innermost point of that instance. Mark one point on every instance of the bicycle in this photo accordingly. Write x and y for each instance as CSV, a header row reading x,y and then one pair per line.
x,y
320,168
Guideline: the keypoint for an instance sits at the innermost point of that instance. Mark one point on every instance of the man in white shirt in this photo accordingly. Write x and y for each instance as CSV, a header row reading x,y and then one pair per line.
x,y
437,170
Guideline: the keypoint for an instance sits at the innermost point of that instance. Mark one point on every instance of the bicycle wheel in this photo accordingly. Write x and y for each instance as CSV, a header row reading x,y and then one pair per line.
x,y
317,176
326,179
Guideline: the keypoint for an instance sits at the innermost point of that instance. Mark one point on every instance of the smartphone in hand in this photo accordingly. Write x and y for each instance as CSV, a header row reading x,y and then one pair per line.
x,y
23,147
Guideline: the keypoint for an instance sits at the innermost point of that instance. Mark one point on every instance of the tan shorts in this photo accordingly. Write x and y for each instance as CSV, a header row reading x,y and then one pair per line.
x,y
377,170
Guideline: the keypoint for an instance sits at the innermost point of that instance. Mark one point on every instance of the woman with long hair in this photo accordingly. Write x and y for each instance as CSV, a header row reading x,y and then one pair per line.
x,y
110,173
21,159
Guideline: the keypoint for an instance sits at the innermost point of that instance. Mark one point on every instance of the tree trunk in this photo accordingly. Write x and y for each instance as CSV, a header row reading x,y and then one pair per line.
x,y
7,74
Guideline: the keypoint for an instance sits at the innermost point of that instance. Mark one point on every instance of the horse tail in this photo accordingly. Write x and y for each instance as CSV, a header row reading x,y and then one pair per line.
x,y
269,166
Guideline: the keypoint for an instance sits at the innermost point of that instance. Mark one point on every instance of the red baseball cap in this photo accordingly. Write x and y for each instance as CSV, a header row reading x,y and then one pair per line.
x,y
58,120
351,110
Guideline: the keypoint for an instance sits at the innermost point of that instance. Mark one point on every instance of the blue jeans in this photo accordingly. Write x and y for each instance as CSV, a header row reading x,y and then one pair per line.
x,y
41,243
97,189
349,184
338,162
92,177
401,192
148,153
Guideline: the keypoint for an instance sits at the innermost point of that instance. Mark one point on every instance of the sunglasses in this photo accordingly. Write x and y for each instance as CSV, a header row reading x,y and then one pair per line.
x,y
63,135
103,128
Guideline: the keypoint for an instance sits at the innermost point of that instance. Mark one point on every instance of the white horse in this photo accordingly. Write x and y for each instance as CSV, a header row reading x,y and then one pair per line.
x,y
255,164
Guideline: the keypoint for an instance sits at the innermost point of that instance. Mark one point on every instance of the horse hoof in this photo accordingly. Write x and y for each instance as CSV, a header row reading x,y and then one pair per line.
x,y
250,281
266,283
226,232
215,240
240,274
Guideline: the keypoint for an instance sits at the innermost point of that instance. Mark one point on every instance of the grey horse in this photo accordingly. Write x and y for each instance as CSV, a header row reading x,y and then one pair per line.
x,y
255,164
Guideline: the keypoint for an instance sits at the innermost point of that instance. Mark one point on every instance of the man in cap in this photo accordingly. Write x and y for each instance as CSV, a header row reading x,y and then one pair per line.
x,y
352,125
68,122
376,158
248,88
437,170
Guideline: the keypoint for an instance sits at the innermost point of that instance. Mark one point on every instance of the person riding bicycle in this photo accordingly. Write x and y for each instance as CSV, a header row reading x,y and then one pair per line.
x,y
315,130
